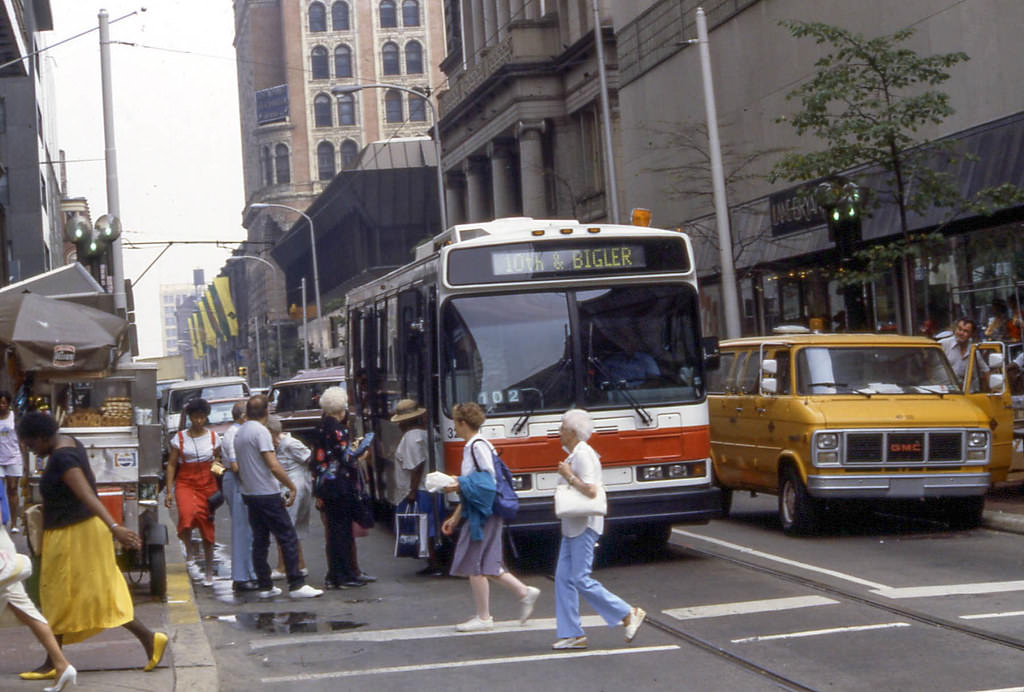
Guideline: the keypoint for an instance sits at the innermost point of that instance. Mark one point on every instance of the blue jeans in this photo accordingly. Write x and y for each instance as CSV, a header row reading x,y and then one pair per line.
x,y
572,578
241,532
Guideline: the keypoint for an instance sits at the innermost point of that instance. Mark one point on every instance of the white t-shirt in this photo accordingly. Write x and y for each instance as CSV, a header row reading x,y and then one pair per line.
x,y
10,452
227,447
586,465
196,449
411,452
482,452
292,454
251,440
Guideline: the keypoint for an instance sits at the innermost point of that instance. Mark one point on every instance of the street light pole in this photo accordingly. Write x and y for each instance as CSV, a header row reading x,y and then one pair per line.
x,y
113,194
343,89
316,270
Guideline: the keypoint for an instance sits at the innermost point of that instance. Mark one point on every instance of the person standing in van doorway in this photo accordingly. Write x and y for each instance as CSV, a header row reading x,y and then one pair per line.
x,y
958,349
11,464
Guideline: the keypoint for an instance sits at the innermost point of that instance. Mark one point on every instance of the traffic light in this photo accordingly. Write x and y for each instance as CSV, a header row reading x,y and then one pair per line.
x,y
92,242
841,200
243,371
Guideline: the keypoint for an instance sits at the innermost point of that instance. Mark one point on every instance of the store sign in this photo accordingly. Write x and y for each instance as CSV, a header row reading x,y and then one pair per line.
x,y
63,356
795,210
272,104
126,460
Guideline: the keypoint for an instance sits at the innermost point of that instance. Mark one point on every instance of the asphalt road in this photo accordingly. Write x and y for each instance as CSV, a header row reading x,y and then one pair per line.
x,y
880,601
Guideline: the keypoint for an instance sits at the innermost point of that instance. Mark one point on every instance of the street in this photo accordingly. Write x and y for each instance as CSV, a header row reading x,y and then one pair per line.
x,y
732,605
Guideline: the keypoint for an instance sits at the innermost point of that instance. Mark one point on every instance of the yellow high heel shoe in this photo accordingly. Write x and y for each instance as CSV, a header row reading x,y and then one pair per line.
x,y
159,644
33,675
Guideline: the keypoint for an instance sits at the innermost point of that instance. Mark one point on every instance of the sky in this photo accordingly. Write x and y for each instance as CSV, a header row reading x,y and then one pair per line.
x,y
175,96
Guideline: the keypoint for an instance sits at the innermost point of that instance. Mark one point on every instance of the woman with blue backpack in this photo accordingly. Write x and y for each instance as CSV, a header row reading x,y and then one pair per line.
x,y
478,552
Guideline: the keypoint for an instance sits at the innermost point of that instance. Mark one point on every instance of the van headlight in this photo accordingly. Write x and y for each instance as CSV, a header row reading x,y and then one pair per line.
x,y
827,441
977,439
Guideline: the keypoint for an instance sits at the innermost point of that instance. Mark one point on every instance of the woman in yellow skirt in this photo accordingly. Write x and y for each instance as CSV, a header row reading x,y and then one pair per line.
x,y
81,588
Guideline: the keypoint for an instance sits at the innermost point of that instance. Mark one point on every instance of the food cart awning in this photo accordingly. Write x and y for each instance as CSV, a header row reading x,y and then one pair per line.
x,y
71,279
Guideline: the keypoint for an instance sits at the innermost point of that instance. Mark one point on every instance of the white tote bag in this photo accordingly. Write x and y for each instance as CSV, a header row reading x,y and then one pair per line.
x,y
570,502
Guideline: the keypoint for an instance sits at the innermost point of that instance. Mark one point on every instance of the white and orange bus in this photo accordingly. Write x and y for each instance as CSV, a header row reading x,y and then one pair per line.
x,y
530,318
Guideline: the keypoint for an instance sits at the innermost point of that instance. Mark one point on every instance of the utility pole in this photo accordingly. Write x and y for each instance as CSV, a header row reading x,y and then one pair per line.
x,y
113,195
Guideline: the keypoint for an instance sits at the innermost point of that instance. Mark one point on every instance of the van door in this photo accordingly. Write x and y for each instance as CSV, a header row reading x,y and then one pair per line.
x,y
767,418
720,393
996,404
746,421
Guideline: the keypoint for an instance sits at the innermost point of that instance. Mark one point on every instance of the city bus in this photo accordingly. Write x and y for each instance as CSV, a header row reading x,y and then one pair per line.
x,y
530,318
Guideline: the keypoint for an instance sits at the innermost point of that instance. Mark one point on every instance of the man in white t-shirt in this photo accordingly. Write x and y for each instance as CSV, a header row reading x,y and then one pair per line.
x,y
11,464
260,473
408,492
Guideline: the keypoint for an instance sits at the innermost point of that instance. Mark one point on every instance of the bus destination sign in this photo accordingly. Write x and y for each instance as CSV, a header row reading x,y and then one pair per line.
x,y
566,259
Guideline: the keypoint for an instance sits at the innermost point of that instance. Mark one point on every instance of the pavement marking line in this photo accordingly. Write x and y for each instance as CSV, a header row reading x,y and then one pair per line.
x,y
783,560
408,633
951,589
1004,689
180,608
306,677
815,633
748,607
982,616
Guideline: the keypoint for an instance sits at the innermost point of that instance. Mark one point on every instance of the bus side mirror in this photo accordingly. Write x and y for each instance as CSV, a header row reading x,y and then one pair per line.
x,y
712,356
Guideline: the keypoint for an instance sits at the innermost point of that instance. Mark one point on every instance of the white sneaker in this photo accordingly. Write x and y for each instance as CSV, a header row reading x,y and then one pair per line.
x,y
527,602
270,593
475,624
570,643
636,618
304,572
306,591
277,576
15,529
194,572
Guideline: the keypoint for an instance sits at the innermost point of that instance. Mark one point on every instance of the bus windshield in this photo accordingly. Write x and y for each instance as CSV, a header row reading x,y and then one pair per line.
x,y
874,370
519,353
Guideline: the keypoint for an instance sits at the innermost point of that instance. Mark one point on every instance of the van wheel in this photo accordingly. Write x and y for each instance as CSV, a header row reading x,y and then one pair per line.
x,y
965,512
798,511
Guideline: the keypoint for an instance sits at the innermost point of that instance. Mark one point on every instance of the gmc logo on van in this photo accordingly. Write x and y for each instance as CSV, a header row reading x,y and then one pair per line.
x,y
897,447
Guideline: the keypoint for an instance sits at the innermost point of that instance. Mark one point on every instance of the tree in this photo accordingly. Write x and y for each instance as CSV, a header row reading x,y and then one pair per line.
x,y
867,101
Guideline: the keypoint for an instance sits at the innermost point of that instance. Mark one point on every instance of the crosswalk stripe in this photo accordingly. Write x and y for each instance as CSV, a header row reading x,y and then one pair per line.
x,y
748,607
442,665
815,633
951,589
407,633
983,616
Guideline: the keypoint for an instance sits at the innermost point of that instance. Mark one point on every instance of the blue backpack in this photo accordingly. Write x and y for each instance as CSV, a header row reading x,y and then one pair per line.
x,y
506,502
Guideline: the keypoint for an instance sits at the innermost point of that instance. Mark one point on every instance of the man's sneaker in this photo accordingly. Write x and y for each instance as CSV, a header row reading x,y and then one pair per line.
x,y
527,602
475,624
270,593
306,591
15,529
636,618
570,643
277,576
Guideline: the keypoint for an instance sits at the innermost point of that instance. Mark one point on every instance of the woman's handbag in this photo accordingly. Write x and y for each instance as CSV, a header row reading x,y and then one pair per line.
x,y
570,502
34,528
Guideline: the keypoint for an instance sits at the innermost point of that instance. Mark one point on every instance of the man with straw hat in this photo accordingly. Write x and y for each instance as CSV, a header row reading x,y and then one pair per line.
x,y
408,493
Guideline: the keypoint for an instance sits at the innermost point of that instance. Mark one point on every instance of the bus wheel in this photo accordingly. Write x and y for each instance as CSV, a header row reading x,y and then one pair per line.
x,y
798,511
965,512
655,536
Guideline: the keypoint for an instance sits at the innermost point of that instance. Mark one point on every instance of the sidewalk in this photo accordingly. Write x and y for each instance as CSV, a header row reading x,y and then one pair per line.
x,y
1004,508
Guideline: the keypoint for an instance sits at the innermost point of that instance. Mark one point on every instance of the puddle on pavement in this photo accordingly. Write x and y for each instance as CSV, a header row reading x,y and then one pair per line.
x,y
287,623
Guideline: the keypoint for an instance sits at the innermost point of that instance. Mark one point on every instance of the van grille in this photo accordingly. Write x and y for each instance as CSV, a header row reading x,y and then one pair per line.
x,y
903,447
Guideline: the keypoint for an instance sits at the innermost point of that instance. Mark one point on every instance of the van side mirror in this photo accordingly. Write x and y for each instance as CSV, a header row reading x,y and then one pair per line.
x,y
712,356
995,383
769,385
995,360
769,366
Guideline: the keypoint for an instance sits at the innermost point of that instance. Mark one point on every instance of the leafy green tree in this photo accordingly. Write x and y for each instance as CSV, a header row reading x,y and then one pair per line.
x,y
867,102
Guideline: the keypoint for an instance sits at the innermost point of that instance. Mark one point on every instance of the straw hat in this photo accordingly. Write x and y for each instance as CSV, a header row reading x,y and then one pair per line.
x,y
406,409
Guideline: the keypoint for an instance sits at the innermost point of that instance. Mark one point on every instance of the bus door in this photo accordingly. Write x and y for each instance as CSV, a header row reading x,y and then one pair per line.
x,y
987,388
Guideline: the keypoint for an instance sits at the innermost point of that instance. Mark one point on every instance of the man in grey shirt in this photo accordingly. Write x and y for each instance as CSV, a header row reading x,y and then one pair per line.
x,y
259,472
958,351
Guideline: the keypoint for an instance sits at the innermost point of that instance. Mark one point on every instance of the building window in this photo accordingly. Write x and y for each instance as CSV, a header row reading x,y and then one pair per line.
x,y
342,61
413,58
410,13
339,16
317,17
349,152
388,14
393,106
591,162
322,111
325,160
283,164
319,64
346,109
390,55
267,166
417,109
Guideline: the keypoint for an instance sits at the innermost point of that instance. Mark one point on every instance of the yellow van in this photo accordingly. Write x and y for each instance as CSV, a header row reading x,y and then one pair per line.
x,y
814,417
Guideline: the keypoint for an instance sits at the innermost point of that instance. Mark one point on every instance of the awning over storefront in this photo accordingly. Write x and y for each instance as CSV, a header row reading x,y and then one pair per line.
x,y
71,279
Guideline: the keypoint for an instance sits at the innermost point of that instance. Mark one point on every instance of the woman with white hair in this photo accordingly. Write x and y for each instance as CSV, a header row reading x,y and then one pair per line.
x,y
336,481
582,471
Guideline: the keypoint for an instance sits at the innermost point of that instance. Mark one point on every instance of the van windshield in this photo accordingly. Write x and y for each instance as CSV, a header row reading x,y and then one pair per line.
x,y
874,370
219,391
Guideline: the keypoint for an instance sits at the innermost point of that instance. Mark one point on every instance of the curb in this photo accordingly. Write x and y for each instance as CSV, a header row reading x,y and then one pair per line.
x,y
1003,521
192,661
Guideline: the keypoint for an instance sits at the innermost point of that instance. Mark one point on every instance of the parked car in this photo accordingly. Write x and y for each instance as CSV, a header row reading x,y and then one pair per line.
x,y
297,400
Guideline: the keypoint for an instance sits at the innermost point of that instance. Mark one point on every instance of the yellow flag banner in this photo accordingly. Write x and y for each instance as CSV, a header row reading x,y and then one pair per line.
x,y
211,317
197,347
209,336
223,305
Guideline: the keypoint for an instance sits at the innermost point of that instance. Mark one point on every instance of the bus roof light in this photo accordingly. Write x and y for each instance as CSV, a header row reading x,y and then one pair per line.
x,y
536,232
640,217
565,231
593,229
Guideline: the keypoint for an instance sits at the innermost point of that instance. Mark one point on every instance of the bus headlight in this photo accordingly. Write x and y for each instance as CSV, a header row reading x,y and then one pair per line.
x,y
673,471
521,481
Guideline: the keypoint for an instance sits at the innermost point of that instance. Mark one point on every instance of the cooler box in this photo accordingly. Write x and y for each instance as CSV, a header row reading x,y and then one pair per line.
x,y
113,499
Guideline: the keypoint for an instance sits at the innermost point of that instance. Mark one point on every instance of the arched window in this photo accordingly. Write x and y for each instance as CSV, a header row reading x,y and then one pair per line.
x,y
339,16
267,166
388,14
317,17
282,164
393,106
417,109
390,55
410,13
349,153
325,160
342,61
346,109
319,64
413,58
322,111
